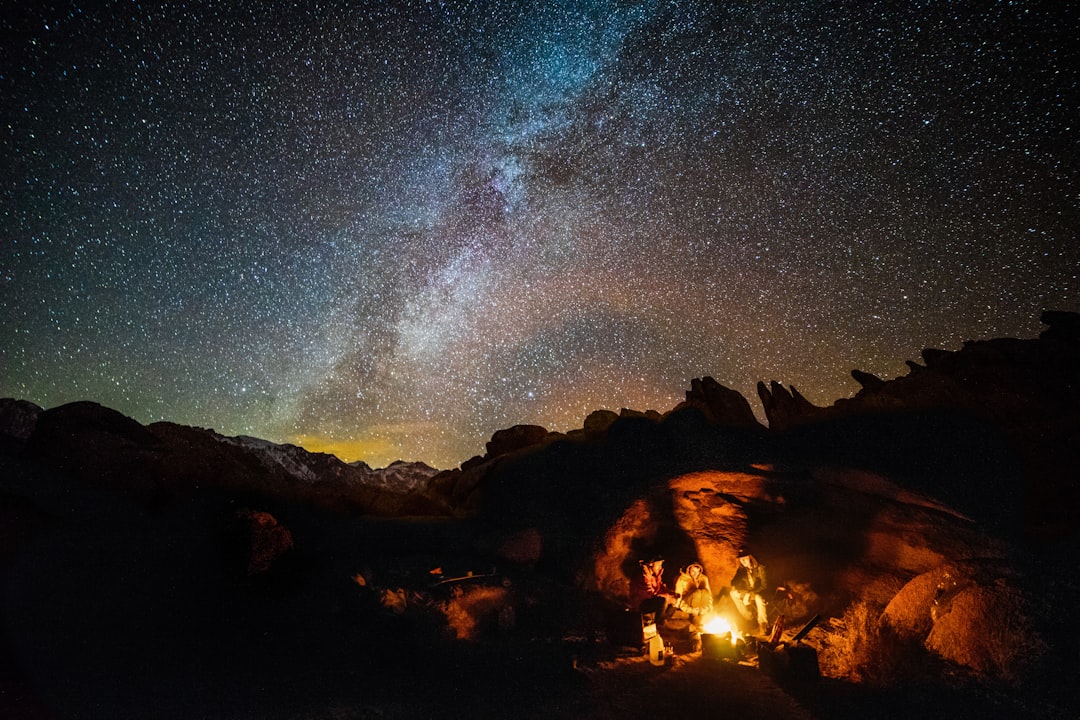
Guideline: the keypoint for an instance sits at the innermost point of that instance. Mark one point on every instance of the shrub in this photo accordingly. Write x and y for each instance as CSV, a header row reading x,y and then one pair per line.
x,y
844,647
860,648
471,611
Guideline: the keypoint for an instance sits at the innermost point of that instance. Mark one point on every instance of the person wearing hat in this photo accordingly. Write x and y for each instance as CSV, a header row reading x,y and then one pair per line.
x,y
748,588
649,593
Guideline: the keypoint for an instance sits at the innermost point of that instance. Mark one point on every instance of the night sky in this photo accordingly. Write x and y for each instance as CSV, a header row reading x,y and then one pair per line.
x,y
389,230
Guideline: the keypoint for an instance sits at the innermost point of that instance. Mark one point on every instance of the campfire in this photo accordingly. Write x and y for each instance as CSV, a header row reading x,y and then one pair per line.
x,y
718,626
719,639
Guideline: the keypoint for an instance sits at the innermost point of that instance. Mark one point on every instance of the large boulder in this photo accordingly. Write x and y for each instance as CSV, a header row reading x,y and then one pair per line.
x,y
713,508
598,421
721,405
260,540
971,613
515,438
18,418
988,628
697,517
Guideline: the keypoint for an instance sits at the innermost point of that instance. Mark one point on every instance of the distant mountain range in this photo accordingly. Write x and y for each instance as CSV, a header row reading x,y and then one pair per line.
x,y
163,461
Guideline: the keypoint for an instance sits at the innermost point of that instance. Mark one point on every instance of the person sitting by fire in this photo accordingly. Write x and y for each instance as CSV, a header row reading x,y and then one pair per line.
x,y
649,593
692,592
748,588
693,596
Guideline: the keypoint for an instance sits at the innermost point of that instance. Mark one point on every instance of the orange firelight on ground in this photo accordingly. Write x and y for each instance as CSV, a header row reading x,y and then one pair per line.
x,y
717,625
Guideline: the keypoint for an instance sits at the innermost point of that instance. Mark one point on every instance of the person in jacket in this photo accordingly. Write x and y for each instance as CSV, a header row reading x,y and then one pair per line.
x,y
748,590
693,595
649,593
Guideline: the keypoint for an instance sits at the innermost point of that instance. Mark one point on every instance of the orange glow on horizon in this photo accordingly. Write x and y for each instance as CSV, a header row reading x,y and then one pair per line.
x,y
373,451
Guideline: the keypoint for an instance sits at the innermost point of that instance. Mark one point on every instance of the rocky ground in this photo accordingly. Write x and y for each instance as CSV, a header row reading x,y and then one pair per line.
x,y
117,612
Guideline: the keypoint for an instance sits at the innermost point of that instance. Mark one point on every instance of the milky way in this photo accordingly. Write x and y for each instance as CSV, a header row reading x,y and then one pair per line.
x,y
389,230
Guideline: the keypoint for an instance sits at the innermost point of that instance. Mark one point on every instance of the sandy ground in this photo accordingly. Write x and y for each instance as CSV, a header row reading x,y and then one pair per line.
x,y
689,687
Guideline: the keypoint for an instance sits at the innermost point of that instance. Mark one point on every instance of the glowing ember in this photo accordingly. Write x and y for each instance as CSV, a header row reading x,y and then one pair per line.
x,y
717,625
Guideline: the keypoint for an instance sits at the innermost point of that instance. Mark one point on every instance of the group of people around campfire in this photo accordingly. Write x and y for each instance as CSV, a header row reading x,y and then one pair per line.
x,y
693,595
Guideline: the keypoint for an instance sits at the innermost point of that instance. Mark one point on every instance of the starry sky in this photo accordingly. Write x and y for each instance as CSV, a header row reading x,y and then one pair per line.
x,y
387,230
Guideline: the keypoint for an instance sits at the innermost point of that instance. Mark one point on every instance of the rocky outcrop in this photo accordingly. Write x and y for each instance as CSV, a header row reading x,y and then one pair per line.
x,y
972,613
1010,407
699,517
721,405
261,540
1061,326
515,438
786,408
18,418
1008,382
598,421
928,583
868,381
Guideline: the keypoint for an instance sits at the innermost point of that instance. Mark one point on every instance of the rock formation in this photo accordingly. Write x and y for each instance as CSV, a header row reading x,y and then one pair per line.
x,y
1010,408
721,405
514,438
17,421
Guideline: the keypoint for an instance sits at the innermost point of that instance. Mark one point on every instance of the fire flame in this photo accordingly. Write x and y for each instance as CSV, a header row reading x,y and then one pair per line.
x,y
717,625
